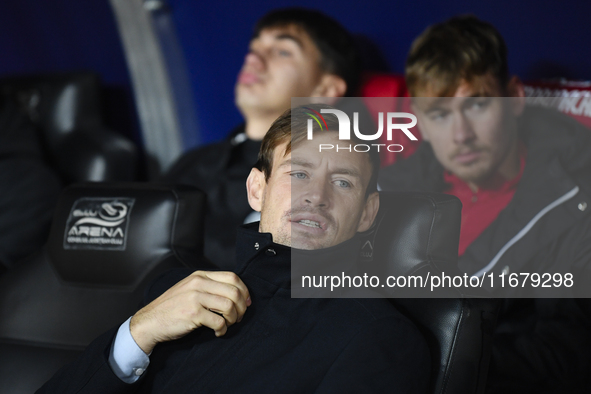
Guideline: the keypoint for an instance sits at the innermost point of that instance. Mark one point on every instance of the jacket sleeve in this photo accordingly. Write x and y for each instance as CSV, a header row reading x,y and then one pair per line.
x,y
541,344
388,356
90,373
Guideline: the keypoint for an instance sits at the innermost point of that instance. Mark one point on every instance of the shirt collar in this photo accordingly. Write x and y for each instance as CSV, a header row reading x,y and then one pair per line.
x,y
258,255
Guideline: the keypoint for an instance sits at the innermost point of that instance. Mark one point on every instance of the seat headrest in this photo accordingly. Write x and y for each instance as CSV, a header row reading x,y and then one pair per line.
x,y
415,231
59,103
113,234
66,112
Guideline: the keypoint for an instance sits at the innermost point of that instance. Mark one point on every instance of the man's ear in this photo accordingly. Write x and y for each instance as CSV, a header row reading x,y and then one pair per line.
x,y
255,189
372,205
515,89
330,86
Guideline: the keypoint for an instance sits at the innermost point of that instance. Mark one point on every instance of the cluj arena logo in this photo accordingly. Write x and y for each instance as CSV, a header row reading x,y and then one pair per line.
x,y
98,223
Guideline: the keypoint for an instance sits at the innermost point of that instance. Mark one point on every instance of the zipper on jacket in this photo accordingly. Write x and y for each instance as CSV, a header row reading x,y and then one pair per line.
x,y
526,229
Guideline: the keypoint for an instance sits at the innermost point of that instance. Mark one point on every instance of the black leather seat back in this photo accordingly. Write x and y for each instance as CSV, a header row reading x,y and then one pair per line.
x,y
60,103
56,302
423,230
114,236
459,333
66,110
416,234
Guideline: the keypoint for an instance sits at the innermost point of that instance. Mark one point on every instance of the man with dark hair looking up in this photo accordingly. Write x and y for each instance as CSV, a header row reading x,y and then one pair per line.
x,y
310,203
293,52
522,174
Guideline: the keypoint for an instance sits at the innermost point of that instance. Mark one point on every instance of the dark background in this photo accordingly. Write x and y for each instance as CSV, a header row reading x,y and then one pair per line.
x,y
545,39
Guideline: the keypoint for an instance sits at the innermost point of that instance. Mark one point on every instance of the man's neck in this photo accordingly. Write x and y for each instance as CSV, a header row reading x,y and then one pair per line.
x,y
508,170
256,127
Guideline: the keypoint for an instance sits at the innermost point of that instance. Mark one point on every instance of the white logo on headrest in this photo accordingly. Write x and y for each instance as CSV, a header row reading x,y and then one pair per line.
x,y
367,249
111,214
98,223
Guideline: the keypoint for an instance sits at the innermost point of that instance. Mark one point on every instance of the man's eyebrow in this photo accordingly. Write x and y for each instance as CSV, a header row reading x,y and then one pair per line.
x,y
296,162
286,36
347,171
435,105
339,170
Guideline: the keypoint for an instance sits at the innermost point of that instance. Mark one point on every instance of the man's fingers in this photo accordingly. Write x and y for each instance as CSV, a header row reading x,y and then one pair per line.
x,y
221,305
204,284
212,299
214,321
229,278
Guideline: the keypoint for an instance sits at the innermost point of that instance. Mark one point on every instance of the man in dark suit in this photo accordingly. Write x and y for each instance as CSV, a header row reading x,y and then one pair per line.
x,y
260,339
294,52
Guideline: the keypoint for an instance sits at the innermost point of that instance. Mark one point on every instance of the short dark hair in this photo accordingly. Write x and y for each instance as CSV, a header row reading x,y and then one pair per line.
x,y
291,127
339,55
460,48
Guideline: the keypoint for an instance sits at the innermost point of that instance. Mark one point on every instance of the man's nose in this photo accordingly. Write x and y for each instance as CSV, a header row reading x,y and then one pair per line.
x,y
463,132
317,194
254,61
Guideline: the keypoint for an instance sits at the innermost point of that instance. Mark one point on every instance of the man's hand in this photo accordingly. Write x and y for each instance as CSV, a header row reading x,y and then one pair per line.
x,y
190,304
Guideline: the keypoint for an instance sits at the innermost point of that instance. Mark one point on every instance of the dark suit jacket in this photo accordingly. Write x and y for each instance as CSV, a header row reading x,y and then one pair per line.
x,y
282,345
220,171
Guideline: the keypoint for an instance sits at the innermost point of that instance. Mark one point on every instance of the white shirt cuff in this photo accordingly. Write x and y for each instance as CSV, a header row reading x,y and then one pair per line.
x,y
127,360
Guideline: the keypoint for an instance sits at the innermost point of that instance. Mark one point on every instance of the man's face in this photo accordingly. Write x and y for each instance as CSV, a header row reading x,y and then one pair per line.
x,y
282,63
472,133
316,200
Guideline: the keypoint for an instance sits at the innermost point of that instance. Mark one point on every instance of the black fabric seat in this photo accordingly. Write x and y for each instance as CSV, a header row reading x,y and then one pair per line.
x,y
416,234
107,242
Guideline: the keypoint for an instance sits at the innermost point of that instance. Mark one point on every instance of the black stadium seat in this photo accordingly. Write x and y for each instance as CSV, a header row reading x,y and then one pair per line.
x,y
66,111
416,233
51,135
90,277
107,242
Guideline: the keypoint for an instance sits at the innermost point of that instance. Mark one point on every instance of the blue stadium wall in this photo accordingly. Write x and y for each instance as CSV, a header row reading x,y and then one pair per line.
x,y
545,39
